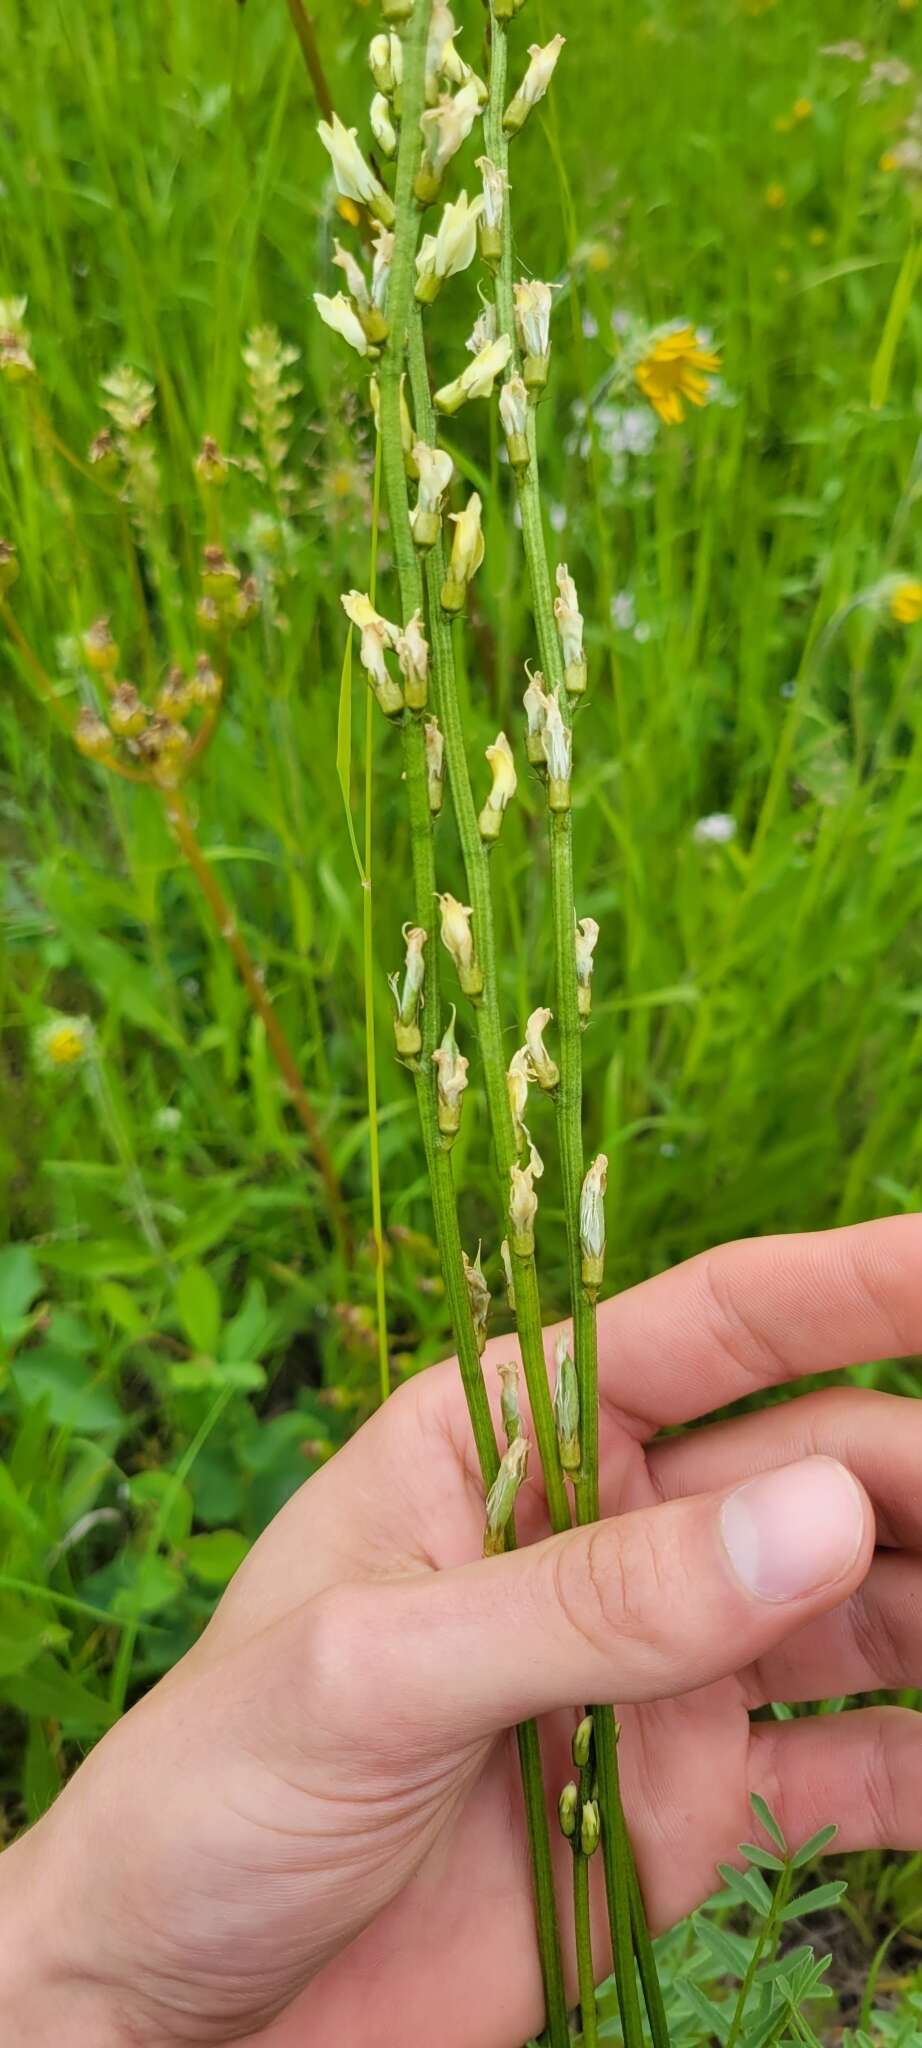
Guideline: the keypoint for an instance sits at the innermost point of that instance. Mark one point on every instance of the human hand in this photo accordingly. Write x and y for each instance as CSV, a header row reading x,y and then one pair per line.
x,y
312,1829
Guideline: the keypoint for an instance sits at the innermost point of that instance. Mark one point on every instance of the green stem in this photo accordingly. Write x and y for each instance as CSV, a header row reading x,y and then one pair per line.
x,y
489,1027
423,862
625,1906
582,1921
767,1935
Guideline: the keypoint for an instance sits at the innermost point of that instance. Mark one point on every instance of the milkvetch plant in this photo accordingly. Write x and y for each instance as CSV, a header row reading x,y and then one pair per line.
x,y
438,548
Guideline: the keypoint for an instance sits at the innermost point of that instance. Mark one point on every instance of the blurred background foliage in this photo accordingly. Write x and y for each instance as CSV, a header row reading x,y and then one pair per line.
x,y
184,1334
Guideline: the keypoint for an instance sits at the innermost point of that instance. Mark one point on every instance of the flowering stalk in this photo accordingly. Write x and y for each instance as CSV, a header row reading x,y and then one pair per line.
x,y
401,305
565,672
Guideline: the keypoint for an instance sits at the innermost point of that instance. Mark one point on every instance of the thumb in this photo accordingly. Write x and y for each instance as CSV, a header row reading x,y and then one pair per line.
x,y
652,1604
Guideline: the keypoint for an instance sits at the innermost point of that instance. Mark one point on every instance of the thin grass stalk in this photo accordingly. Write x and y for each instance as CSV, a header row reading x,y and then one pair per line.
x,y
629,1932
423,864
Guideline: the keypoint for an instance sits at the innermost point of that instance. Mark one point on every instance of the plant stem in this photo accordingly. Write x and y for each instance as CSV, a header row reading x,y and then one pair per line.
x,y
766,1935
423,863
625,1906
304,29
225,920
582,1920
489,1026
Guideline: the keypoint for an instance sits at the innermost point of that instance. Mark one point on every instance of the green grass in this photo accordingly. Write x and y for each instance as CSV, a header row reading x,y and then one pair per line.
x,y
755,1053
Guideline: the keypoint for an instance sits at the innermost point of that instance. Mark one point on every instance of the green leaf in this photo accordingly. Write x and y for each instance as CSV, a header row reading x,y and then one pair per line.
x,y
41,1778
344,748
49,1692
215,1556
252,1329
814,1901
74,1399
763,1812
119,1306
762,1857
815,1846
717,2021
20,1282
198,1306
732,1952
747,1885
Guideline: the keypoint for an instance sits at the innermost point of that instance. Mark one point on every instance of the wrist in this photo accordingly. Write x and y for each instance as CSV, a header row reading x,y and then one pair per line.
x,y
50,1992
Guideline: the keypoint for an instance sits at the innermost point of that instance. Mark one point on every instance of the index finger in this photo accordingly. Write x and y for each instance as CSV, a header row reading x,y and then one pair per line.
x,y
760,1312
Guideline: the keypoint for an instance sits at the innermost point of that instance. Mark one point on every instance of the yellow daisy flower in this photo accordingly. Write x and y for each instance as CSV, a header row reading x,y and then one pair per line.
x,y
63,1041
676,366
906,602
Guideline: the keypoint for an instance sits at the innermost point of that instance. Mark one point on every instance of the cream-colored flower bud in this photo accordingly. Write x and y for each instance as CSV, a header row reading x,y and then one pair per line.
x,y
513,413
557,740
377,634
412,650
566,1407
478,379
374,320
533,325
592,1225
509,1397
534,84
508,1275
408,996
523,1208
501,1498
581,1745
444,127
495,187
467,552
570,630
483,330
354,275
340,316
590,1827
568,1810
478,1295
381,124
544,1070
535,702
435,470
385,62
518,1076
586,936
451,1070
435,757
458,941
502,789
352,176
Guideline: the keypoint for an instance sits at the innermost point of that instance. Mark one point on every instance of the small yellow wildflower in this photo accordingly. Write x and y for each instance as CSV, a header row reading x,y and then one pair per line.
x,y
906,602
63,1041
888,161
775,197
906,6
676,366
817,238
802,109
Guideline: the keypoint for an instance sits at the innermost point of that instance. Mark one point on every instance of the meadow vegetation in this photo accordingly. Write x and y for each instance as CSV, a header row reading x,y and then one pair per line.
x,y
216,1263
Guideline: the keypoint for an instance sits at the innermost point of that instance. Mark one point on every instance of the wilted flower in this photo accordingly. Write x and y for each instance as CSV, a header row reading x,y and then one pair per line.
x,y
483,330
377,634
518,1076
585,938
592,1225
127,714
501,1498
557,740
458,940
478,1295
506,1257
534,84
535,702
509,1382
92,737
513,413
412,650
544,1070
467,553
675,366
100,649
503,787
570,628
445,127
451,1069
408,996
435,754
533,325
495,187
566,1407
523,1208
